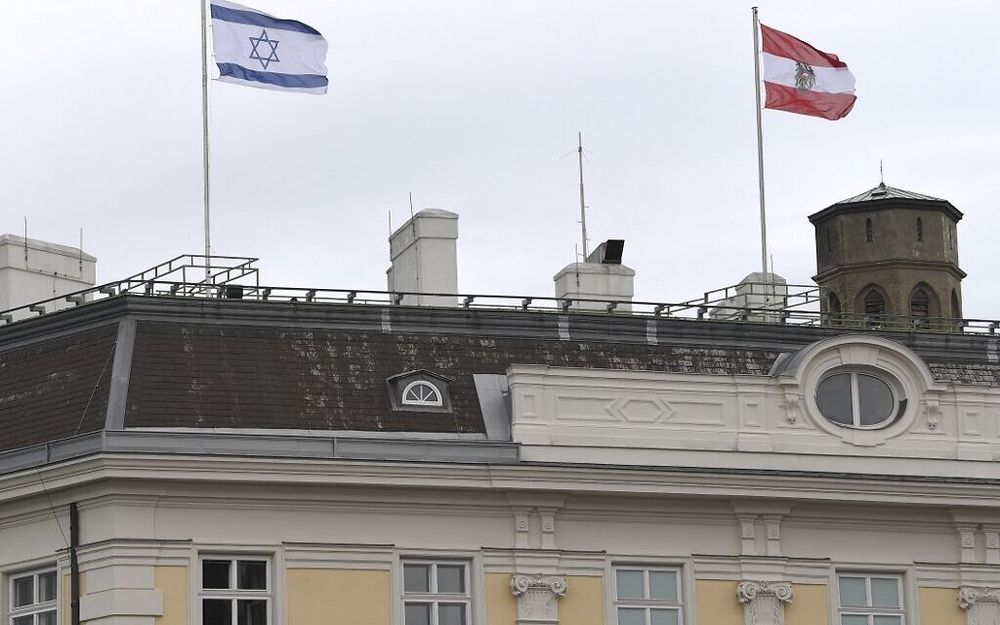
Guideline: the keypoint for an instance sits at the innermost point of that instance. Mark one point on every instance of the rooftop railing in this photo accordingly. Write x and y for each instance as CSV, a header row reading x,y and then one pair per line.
x,y
236,278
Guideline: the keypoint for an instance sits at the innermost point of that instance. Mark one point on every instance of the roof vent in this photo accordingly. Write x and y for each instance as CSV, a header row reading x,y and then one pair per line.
x,y
608,253
880,190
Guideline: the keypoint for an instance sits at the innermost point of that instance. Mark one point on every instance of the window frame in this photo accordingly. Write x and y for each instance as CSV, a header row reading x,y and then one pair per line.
x,y
869,610
438,403
234,594
36,607
648,603
432,597
899,402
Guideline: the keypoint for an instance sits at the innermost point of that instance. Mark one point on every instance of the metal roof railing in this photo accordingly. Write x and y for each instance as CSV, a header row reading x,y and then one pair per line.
x,y
236,278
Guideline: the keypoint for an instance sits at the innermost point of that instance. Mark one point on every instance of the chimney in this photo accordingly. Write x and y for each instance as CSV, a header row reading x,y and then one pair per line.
x,y
602,277
32,271
424,258
765,294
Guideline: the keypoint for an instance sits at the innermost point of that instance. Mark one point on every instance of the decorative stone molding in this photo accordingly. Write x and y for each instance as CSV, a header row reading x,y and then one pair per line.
x,y
932,412
793,407
764,602
981,605
537,598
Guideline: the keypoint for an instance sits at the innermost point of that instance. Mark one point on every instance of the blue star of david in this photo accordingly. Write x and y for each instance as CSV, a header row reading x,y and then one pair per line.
x,y
271,51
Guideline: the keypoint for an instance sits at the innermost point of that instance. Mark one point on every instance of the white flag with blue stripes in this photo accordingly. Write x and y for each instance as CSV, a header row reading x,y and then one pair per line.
x,y
255,49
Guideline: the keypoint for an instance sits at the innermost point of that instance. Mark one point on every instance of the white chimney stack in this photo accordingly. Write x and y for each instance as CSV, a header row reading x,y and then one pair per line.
x,y
424,258
601,277
32,271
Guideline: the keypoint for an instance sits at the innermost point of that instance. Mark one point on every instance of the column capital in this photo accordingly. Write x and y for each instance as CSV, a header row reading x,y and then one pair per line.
x,y
748,591
537,597
764,602
969,596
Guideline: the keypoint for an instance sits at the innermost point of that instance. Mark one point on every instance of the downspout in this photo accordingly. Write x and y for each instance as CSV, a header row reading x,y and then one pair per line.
x,y
74,564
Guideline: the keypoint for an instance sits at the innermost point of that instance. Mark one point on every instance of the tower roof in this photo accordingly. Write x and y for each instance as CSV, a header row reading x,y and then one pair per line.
x,y
885,197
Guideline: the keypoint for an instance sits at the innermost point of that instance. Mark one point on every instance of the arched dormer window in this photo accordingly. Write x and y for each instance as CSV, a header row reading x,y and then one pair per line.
x,y
869,231
920,229
421,393
920,304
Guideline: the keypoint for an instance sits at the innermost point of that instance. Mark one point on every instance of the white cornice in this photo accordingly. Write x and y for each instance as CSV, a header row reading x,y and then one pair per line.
x,y
507,478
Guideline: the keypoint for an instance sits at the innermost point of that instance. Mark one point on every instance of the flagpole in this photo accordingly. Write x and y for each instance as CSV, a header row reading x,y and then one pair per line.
x,y
204,127
760,142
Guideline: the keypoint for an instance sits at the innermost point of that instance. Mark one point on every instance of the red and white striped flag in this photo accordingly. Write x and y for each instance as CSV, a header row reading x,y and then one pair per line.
x,y
798,78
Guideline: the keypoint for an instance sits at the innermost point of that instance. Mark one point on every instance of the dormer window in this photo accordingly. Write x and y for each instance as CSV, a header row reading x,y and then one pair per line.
x,y
421,393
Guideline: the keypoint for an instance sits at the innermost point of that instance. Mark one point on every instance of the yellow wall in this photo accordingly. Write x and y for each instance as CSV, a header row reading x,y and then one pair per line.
x,y
810,605
172,582
717,603
584,601
338,597
501,606
939,606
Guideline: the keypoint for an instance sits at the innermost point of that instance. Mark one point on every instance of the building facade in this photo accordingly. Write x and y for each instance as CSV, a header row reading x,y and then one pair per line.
x,y
175,454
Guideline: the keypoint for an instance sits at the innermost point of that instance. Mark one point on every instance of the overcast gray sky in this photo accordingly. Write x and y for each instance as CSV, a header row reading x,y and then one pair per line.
x,y
470,105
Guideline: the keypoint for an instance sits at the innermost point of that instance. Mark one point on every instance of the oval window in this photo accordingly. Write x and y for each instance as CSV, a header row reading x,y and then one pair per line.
x,y
856,399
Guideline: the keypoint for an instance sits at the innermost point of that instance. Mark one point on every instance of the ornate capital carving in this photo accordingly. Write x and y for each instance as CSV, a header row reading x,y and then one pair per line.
x,y
932,412
764,602
793,407
537,598
981,605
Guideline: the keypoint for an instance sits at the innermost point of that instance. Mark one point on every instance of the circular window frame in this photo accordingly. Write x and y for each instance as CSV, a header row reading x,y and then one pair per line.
x,y
800,373
438,403
900,402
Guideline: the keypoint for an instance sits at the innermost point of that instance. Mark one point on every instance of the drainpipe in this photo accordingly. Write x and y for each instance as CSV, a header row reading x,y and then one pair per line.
x,y
74,564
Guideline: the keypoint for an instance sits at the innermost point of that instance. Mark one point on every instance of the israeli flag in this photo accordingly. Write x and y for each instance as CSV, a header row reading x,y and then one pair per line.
x,y
258,50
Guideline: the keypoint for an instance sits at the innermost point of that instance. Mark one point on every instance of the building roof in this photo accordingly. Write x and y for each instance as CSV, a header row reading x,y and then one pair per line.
x,y
885,192
133,362
886,197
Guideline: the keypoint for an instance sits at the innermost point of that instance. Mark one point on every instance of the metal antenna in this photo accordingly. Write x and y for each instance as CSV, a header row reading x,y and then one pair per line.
x,y
881,174
583,204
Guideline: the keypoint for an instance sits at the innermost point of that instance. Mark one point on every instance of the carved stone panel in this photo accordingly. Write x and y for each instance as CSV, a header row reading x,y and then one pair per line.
x,y
764,602
537,598
981,605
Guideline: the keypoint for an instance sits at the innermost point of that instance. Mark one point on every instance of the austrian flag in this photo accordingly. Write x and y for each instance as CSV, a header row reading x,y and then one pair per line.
x,y
798,78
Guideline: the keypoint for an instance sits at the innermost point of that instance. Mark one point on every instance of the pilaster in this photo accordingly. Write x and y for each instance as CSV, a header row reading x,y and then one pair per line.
x,y
764,602
981,604
538,598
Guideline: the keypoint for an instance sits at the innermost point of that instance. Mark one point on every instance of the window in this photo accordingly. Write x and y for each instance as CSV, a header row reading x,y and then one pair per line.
x,y
647,596
869,231
33,598
920,305
235,591
874,305
857,399
422,393
435,593
871,599
920,229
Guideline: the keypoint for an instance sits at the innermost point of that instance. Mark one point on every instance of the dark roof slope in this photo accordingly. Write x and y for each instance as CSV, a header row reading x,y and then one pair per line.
x,y
193,375
56,388
886,197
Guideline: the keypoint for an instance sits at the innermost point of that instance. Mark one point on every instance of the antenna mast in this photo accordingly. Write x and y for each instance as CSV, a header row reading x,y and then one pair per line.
x,y
583,204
